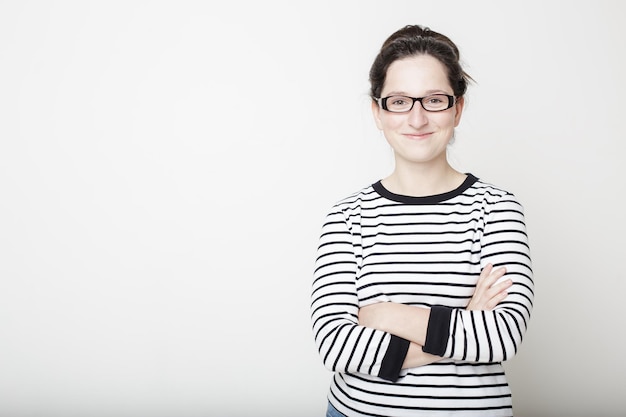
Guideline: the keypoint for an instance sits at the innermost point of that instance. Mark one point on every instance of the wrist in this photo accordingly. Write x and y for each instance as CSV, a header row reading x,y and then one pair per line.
x,y
415,357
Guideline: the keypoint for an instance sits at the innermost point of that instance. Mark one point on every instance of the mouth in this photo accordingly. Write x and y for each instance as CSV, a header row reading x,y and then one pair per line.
x,y
417,136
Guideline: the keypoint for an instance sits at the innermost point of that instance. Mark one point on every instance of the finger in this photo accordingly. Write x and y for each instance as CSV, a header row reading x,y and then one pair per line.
x,y
498,272
493,276
498,288
484,276
503,285
497,299
486,271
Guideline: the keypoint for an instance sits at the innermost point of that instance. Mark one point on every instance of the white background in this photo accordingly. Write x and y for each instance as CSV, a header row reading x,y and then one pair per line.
x,y
165,167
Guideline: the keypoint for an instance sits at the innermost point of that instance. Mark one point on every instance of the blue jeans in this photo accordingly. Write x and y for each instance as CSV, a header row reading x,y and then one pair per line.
x,y
332,411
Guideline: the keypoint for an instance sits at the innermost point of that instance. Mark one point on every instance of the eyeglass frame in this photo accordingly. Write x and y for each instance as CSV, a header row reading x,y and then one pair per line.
x,y
382,101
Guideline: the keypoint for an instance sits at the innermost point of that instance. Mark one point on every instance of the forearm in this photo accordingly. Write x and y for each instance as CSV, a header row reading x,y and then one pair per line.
x,y
434,328
407,322
417,357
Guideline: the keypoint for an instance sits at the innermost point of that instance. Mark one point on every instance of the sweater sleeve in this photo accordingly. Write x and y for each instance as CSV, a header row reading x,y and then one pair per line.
x,y
344,345
491,336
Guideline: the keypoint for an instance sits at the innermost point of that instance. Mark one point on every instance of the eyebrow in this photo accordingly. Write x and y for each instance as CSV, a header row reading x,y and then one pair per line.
x,y
427,93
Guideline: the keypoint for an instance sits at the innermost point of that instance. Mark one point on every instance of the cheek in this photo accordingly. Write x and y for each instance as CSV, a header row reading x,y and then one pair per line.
x,y
391,121
449,121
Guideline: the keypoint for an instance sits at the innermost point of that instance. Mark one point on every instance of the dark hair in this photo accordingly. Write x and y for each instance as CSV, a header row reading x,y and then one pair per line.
x,y
416,40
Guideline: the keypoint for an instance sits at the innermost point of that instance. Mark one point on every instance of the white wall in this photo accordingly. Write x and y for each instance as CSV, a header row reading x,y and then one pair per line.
x,y
165,167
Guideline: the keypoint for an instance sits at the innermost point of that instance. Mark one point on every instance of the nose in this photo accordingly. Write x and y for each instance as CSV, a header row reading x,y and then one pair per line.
x,y
418,116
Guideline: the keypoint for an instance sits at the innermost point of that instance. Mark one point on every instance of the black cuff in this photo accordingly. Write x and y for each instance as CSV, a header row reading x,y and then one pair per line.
x,y
394,358
438,330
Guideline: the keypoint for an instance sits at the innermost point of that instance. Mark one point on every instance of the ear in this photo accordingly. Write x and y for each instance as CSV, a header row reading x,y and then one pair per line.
x,y
376,113
459,105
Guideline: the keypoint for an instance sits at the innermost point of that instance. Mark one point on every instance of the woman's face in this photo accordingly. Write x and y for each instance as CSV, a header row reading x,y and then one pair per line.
x,y
419,136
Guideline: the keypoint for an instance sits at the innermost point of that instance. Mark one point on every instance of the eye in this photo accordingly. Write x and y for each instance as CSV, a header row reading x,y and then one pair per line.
x,y
434,100
437,102
398,101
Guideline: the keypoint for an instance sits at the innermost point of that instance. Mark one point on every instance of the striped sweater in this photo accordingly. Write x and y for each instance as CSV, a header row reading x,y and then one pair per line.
x,y
377,246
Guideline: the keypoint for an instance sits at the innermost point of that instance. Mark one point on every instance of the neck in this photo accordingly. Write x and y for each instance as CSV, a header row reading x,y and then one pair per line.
x,y
421,181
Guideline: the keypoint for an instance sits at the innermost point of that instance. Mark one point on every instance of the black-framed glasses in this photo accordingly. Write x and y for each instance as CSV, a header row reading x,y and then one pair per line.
x,y
403,104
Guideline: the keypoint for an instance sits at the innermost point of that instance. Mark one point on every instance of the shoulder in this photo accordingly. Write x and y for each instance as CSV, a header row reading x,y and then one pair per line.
x,y
491,192
495,199
349,208
356,199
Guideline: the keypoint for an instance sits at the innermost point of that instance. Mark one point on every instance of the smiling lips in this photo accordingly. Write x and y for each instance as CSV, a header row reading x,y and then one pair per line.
x,y
417,136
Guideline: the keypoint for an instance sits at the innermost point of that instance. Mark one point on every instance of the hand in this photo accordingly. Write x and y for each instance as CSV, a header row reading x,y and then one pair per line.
x,y
488,294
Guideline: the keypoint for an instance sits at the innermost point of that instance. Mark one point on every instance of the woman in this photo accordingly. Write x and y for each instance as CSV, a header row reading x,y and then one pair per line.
x,y
423,282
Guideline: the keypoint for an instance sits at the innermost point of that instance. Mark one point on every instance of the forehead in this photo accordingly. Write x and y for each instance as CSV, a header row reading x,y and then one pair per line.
x,y
416,75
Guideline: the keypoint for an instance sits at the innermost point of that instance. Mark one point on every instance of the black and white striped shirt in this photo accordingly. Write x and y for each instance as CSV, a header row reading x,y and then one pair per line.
x,y
376,246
